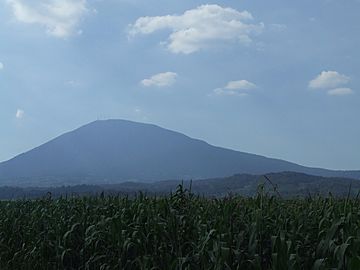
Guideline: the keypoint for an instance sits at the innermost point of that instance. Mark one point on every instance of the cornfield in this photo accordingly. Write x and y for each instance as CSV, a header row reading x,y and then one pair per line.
x,y
181,231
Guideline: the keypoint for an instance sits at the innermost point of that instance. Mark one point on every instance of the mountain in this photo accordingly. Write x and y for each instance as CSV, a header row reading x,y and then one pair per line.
x,y
114,151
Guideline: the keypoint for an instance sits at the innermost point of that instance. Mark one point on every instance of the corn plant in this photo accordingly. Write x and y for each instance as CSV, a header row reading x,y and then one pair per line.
x,y
181,231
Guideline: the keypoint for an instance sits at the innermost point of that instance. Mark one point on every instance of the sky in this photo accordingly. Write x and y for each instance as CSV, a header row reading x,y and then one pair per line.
x,y
276,78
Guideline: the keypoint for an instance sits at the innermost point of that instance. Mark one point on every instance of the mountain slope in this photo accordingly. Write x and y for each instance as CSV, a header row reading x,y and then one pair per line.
x,y
118,150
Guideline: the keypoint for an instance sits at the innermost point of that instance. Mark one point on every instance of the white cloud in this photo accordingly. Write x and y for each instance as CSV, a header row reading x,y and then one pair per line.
x,y
197,28
235,88
160,80
240,85
224,92
340,91
19,114
333,82
1,66
328,79
59,17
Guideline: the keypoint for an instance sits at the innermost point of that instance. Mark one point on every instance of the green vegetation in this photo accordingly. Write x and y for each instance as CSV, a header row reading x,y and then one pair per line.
x,y
181,231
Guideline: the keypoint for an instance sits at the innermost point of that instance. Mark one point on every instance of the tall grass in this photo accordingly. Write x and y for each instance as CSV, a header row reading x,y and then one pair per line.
x,y
181,231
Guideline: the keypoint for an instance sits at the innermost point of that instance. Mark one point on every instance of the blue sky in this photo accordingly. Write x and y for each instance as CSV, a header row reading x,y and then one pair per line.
x,y
277,78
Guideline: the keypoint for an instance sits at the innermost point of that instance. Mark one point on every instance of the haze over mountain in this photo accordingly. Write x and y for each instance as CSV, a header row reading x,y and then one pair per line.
x,y
287,184
114,151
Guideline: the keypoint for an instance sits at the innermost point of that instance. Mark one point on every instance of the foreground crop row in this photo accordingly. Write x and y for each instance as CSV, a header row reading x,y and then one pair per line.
x,y
181,231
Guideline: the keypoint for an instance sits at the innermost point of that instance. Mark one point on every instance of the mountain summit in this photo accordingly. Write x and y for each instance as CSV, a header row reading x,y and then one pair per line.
x,y
113,151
